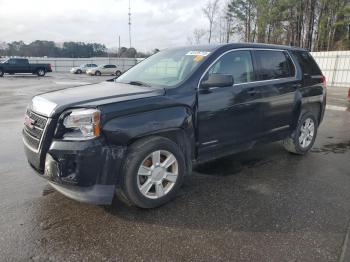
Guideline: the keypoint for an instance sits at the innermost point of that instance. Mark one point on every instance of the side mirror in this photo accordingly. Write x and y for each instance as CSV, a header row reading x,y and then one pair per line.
x,y
217,80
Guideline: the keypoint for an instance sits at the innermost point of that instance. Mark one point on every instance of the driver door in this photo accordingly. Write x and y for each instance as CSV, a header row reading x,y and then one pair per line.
x,y
232,115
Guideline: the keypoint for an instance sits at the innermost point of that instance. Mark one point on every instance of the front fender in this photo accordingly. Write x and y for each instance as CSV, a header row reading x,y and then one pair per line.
x,y
125,129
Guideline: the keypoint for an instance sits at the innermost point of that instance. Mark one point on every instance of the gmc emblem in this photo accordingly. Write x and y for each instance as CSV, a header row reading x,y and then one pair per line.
x,y
29,122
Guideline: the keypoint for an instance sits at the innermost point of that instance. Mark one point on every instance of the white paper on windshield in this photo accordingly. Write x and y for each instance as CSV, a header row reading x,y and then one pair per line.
x,y
200,53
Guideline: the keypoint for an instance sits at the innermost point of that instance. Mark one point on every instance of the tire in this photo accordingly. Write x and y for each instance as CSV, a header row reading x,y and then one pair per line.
x,y
1,72
97,73
304,132
118,73
41,72
141,159
79,71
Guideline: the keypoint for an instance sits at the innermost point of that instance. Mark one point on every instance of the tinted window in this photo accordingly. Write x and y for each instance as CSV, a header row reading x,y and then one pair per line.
x,y
274,65
236,63
110,66
307,63
93,65
22,61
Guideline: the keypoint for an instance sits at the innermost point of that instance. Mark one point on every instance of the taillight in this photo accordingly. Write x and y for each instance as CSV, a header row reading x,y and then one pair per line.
x,y
324,81
49,66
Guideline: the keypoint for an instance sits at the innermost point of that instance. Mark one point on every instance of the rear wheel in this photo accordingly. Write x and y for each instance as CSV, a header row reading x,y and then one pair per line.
x,y
153,172
79,71
1,72
97,73
118,73
41,72
303,137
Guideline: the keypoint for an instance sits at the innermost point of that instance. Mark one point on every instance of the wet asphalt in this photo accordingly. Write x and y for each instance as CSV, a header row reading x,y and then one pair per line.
x,y
261,205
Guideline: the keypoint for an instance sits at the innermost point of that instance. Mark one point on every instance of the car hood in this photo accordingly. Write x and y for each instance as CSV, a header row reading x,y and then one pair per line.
x,y
52,103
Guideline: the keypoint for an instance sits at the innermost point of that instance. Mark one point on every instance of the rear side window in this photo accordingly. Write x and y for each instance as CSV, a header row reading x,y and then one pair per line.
x,y
274,65
307,63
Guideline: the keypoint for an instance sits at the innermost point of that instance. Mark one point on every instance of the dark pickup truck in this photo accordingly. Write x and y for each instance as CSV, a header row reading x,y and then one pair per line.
x,y
21,65
139,135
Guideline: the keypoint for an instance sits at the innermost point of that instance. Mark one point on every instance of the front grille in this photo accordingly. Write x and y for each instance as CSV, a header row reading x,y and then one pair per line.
x,y
33,135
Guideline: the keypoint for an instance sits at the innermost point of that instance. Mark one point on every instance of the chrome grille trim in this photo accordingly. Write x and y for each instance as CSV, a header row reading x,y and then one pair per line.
x,y
43,123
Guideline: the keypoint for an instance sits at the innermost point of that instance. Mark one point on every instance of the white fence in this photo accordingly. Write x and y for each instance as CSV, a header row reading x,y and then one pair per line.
x,y
335,65
65,64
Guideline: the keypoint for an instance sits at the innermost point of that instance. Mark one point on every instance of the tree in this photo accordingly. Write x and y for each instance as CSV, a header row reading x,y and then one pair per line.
x,y
210,12
198,34
244,12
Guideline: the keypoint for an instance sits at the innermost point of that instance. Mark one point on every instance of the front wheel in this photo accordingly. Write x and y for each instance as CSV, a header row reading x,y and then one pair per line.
x,y
97,73
1,72
303,137
118,73
79,71
41,72
153,172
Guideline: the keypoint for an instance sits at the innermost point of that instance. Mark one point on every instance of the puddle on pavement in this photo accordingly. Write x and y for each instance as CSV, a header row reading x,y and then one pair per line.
x,y
225,167
337,148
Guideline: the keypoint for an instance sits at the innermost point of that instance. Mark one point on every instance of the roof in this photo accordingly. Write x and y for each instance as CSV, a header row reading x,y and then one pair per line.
x,y
212,47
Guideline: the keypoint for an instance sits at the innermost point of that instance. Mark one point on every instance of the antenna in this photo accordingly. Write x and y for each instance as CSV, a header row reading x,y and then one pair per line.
x,y
129,25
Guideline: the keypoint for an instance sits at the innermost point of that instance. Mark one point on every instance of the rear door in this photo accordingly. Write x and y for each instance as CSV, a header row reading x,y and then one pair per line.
x,y
112,69
277,75
23,66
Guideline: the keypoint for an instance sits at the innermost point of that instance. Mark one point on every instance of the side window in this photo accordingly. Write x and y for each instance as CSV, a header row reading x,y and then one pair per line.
x,y
307,63
112,66
236,63
12,61
274,65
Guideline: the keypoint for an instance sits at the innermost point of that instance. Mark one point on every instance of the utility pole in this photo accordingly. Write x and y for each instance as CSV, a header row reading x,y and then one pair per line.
x,y
129,25
119,45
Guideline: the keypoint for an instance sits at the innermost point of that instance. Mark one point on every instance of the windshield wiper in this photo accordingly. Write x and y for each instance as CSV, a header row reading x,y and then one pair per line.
x,y
138,83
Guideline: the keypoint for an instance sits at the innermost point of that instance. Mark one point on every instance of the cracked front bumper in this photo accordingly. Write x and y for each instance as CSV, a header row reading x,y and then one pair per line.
x,y
86,171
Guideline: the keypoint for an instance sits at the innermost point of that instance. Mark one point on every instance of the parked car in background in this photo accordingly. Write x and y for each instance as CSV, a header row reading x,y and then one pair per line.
x,y
21,65
105,70
141,134
82,68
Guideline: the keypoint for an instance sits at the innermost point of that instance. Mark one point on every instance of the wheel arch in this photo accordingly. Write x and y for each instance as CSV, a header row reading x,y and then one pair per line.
x,y
313,107
175,124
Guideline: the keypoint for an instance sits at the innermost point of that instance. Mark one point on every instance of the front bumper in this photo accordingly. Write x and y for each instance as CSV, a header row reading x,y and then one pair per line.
x,y
82,170
97,194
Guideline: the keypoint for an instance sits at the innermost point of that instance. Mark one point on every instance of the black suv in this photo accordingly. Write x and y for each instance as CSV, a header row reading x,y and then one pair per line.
x,y
140,134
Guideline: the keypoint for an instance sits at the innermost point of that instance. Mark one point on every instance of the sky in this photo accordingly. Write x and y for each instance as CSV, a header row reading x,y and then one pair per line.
x,y
155,23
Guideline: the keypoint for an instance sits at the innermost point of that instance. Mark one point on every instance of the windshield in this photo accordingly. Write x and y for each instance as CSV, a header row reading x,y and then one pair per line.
x,y
166,68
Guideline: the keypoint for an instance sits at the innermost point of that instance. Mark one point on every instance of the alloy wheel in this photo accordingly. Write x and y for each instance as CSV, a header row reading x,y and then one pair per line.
x,y
307,131
157,174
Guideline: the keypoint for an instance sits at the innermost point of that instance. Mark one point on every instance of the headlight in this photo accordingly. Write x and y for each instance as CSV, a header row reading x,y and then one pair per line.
x,y
82,124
